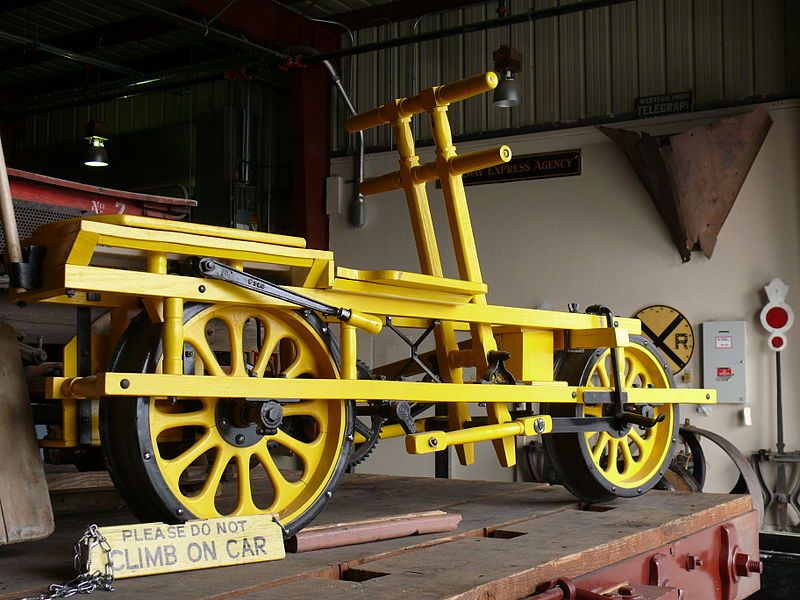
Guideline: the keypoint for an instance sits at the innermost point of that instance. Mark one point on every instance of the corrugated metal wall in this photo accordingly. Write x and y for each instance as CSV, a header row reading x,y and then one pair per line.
x,y
136,113
163,109
592,64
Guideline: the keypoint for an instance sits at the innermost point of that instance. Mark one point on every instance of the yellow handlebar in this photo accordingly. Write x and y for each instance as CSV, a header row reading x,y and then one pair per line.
x,y
365,322
466,88
426,100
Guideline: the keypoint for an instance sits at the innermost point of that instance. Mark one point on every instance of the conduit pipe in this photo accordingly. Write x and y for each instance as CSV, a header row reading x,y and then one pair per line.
x,y
525,17
357,211
202,29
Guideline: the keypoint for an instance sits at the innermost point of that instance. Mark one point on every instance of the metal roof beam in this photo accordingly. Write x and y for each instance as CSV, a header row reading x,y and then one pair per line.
x,y
68,54
111,34
202,29
147,67
9,5
528,15
398,10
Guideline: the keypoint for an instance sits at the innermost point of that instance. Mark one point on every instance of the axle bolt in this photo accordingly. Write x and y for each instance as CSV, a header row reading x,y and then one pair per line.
x,y
693,562
539,425
743,565
239,439
433,442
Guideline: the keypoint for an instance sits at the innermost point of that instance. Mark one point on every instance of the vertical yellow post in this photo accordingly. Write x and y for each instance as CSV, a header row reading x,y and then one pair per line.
x,y
468,265
157,262
349,350
172,336
431,264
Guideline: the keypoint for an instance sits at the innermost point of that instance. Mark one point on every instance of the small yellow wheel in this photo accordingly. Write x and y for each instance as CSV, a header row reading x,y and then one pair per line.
x,y
601,465
171,456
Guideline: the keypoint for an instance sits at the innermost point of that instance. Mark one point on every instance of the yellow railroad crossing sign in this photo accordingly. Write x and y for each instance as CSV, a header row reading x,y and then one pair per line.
x,y
671,333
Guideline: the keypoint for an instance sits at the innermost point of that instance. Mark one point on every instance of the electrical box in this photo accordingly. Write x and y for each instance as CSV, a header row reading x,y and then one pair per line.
x,y
333,195
723,360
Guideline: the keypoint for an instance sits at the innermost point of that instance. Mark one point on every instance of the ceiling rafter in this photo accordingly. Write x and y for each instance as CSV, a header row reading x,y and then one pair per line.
x,y
111,34
155,63
9,5
398,10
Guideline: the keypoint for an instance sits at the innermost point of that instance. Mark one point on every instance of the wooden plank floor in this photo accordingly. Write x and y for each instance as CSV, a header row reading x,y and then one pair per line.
x,y
512,536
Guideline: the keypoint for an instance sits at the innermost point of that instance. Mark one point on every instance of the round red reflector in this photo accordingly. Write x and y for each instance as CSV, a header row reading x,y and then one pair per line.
x,y
777,341
777,317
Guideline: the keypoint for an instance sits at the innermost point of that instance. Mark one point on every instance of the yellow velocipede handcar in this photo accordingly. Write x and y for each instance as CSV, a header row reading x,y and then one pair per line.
x,y
228,376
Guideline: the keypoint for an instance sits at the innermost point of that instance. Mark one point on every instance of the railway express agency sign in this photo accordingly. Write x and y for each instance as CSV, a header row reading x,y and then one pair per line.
x,y
150,548
528,166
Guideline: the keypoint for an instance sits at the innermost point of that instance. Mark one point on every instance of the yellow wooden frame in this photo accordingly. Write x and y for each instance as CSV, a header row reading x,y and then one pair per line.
x,y
126,258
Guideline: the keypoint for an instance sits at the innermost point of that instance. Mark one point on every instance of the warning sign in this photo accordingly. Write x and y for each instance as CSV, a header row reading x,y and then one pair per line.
x,y
150,548
670,332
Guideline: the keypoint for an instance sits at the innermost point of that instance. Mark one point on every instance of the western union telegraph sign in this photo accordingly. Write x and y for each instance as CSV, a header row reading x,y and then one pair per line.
x,y
150,548
529,166
664,104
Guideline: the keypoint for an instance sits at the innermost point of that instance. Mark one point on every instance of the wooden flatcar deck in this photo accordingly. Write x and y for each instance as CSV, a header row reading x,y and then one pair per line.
x,y
513,536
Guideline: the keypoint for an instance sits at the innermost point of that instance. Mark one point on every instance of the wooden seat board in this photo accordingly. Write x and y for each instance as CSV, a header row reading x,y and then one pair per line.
x,y
414,280
229,233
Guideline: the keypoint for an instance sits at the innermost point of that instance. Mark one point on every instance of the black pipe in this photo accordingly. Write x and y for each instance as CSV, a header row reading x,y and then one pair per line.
x,y
779,397
202,73
202,29
529,15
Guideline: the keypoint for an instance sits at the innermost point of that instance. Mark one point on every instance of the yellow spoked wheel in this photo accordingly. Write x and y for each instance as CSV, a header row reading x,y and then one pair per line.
x,y
176,459
600,465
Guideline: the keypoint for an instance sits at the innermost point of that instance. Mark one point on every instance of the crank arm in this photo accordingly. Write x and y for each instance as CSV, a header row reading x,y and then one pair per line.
x,y
213,269
584,425
623,419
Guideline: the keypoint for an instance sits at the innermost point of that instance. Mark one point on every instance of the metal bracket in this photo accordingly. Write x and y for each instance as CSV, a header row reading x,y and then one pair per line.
x,y
83,349
497,371
733,564
413,346
28,273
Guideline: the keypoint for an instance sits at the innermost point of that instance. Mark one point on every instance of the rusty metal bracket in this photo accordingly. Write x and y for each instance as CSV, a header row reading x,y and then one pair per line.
x,y
694,177
748,476
565,589
734,564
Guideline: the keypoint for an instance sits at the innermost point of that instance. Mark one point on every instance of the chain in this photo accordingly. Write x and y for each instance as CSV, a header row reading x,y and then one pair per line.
x,y
87,580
